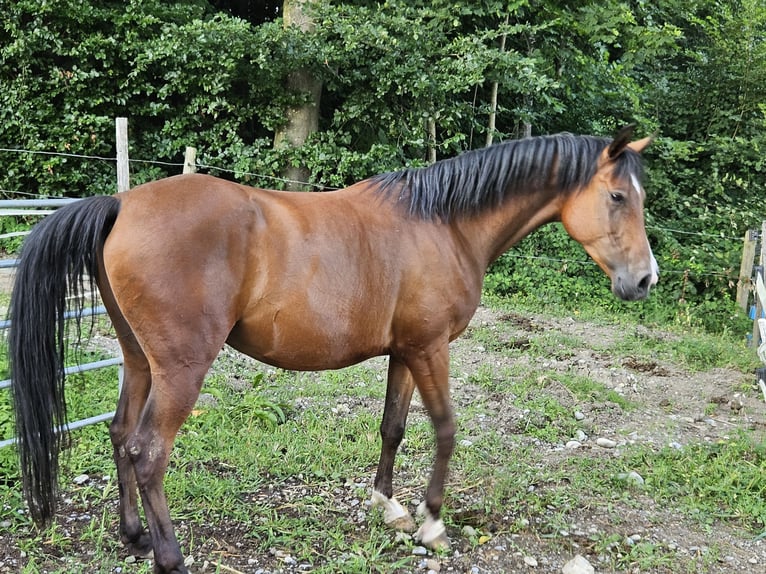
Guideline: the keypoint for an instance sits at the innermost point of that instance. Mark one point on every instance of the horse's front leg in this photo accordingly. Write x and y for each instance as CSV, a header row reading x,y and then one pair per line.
x,y
430,371
398,395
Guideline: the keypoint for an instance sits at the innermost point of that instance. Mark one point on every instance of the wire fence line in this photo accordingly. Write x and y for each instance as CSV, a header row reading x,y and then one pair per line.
x,y
199,165
57,153
240,173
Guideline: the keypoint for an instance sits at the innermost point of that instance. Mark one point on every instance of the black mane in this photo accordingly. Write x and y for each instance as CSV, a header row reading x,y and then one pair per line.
x,y
480,179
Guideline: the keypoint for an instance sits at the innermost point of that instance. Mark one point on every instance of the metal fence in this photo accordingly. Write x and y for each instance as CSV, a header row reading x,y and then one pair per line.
x,y
33,207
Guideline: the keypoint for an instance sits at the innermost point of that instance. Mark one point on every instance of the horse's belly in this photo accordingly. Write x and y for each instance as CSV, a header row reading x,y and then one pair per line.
x,y
308,343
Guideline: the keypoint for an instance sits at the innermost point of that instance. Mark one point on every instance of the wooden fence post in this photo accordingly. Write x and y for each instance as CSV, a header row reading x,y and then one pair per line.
x,y
123,166
745,282
190,160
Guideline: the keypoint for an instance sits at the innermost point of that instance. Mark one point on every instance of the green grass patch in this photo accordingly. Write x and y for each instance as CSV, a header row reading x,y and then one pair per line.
x,y
711,481
668,340
555,344
586,390
548,398
695,351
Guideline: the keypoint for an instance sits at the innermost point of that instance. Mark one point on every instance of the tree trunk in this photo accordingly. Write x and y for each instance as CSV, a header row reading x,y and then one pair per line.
x,y
431,129
493,97
301,120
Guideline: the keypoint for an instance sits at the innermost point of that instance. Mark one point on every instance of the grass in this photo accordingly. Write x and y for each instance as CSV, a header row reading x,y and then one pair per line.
x,y
264,464
720,481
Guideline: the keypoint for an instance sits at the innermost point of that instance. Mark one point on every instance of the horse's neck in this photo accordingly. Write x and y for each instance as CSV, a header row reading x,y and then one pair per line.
x,y
494,231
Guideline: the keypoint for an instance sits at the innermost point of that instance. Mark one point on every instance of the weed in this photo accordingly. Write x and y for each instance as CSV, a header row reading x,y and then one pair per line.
x,y
486,378
624,554
586,390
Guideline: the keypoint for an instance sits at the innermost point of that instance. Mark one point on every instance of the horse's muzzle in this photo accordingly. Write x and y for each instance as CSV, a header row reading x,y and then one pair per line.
x,y
633,288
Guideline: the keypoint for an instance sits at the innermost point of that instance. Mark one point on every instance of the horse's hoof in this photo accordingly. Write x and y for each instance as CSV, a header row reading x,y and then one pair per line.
x,y
394,514
438,544
175,569
432,534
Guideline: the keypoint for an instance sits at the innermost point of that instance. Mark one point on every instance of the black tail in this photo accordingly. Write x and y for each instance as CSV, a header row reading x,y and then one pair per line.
x,y
57,258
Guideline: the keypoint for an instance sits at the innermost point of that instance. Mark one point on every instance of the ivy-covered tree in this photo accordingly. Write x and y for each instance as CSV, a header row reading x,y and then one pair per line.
x,y
302,115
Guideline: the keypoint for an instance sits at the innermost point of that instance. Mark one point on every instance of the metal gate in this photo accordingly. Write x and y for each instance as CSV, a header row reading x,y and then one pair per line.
x,y
25,207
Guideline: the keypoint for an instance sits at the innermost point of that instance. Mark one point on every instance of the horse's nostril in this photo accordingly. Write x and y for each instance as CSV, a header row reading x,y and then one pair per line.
x,y
645,282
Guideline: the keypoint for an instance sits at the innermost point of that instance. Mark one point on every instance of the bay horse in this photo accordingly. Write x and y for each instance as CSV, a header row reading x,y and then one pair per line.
x,y
392,265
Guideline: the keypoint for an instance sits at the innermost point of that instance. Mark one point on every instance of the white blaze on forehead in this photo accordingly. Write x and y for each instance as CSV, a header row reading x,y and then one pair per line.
x,y
636,184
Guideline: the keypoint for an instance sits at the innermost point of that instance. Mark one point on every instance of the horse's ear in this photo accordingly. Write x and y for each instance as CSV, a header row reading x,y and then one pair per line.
x,y
640,145
620,141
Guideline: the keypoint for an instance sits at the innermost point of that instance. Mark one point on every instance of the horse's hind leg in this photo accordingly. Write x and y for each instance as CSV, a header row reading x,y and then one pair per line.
x,y
175,387
398,396
135,388
165,365
178,369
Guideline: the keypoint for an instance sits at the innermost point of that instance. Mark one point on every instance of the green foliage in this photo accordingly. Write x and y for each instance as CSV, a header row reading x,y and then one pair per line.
x,y
183,74
13,226
547,265
383,85
249,409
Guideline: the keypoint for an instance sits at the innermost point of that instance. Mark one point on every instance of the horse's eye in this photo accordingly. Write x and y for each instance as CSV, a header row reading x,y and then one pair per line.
x,y
617,197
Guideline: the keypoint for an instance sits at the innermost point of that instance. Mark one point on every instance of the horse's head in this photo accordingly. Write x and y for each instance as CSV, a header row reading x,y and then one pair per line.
x,y
607,218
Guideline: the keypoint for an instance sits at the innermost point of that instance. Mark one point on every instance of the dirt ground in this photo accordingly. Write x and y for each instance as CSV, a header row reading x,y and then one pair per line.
x,y
671,412
672,404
